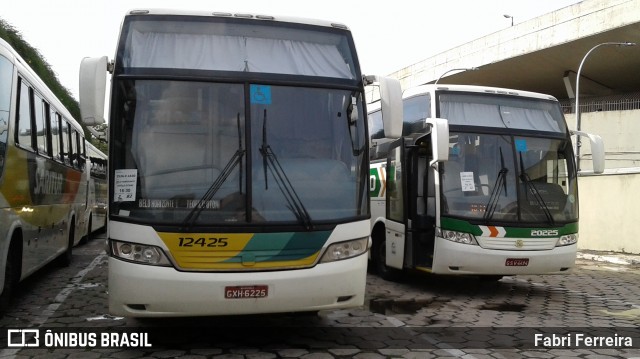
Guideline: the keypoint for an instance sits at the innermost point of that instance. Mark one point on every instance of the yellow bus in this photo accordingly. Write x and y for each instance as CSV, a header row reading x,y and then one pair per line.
x,y
43,175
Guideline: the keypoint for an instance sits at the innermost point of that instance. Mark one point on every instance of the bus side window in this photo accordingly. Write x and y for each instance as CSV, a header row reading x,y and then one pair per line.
x,y
82,155
39,106
73,149
54,130
66,156
23,136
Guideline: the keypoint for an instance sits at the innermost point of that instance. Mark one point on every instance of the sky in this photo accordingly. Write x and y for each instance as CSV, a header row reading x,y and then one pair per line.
x,y
389,35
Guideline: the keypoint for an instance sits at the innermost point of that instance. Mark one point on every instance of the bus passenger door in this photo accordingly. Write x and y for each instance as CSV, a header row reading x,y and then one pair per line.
x,y
395,208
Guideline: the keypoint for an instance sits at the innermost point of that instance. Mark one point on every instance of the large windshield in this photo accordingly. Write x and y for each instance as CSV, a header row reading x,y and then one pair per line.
x,y
192,153
510,179
6,75
222,44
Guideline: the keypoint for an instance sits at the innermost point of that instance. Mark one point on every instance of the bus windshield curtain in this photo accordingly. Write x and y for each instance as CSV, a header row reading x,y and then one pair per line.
x,y
234,53
514,114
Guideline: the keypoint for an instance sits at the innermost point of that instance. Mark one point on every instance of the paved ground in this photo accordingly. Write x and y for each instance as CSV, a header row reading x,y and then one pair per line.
x,y
421,317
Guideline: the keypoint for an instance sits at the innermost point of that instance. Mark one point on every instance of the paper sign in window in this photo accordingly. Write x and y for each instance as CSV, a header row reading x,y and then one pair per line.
x,y
124,185
466,181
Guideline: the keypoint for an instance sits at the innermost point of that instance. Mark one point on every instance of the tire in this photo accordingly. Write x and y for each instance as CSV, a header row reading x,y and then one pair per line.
x,y
87,238
11,277
65,259
379,261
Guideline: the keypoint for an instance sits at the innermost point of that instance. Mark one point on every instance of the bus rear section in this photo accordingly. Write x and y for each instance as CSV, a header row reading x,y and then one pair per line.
x,y
482,182
238,166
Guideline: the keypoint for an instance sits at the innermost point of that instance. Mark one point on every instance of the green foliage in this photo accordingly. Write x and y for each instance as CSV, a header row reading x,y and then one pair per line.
x,y
37,62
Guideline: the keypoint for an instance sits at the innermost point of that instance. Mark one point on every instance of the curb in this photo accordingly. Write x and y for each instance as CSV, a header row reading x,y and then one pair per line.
x,y
614,258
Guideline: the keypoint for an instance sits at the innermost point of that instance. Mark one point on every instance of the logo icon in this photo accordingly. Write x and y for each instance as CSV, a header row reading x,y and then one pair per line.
x,y
20,338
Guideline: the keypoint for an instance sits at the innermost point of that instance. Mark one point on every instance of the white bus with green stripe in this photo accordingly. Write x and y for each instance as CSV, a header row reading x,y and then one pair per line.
x,y
482,181
238,164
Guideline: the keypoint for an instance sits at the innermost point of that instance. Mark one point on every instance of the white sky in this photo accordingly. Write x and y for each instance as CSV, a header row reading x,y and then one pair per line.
x,y
389,35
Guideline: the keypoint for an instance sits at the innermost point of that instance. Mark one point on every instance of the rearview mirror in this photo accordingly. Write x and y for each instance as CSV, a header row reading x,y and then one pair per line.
x,y
439,139
93,80
597,150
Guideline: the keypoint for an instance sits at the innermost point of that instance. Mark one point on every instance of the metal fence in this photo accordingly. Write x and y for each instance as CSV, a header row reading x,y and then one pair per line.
x,y
629,101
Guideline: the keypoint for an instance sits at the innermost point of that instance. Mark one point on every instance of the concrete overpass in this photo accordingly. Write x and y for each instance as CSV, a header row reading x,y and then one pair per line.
x,y
543,55
538,54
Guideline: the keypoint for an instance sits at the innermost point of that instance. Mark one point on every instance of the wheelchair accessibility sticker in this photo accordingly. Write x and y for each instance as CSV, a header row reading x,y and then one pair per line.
x,y
260,94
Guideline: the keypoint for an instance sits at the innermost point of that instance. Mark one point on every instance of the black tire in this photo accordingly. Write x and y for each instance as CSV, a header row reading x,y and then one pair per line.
x,y
11,277
65,259
379,256
87,238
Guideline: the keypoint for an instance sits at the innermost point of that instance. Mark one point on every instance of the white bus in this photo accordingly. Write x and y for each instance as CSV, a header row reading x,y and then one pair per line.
x,y
482,182
43,175
238,164
98,188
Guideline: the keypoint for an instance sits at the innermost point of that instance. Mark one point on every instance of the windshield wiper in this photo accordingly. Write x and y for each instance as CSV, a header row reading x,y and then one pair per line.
x,y
524,177
233,162
271,162
501,182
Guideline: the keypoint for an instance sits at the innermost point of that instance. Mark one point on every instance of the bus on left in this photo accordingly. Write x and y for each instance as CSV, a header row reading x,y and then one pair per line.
x,y
44,176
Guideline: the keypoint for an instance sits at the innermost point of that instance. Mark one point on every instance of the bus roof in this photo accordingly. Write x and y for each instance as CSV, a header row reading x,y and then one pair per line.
x,y
30,75
473,88
221,14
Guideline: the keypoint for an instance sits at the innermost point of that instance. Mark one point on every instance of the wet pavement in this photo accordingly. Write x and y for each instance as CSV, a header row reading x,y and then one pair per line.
x,y
555,316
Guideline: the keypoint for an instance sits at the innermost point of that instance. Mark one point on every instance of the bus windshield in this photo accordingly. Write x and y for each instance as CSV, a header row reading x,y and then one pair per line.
x,y
224,44
510,179
6,74
198,156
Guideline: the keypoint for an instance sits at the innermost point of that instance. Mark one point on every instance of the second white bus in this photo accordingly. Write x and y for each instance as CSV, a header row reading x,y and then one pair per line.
x,y
482,182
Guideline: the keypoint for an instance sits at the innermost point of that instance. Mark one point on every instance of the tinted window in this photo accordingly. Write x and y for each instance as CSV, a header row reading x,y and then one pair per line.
x,y
24,117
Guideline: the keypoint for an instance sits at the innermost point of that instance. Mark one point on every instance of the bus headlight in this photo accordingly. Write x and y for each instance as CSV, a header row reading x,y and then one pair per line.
x,y
139,253
344,250
458,237
567,240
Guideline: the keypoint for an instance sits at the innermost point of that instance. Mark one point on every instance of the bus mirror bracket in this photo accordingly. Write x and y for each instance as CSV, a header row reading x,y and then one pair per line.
x,y
390,104
439,139
93,81
597,150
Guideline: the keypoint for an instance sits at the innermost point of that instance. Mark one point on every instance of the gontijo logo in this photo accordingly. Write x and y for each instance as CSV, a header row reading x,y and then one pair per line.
x,y
377,181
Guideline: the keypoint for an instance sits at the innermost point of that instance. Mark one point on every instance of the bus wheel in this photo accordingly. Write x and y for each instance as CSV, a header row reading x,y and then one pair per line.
x,y
65,258
11,277
87,238
380,260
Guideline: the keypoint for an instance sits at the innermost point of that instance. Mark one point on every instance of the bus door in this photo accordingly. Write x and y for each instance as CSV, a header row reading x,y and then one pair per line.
x,y
421,203
395,208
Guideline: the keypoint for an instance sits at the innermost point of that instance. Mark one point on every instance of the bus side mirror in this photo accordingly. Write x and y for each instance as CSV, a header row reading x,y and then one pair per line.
x,y
92,86
439,139
597,150
390,104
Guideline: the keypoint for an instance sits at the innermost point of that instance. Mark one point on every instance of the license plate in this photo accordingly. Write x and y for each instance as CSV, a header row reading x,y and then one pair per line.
x,y
516,262
246,291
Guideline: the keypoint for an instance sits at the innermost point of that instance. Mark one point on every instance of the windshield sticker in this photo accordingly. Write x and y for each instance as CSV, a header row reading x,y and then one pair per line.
x,y
124,185
521,145
178,203
260,94
466,181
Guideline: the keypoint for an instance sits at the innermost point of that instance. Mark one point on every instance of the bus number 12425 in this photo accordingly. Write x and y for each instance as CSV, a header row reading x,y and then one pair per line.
x,y
203,242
